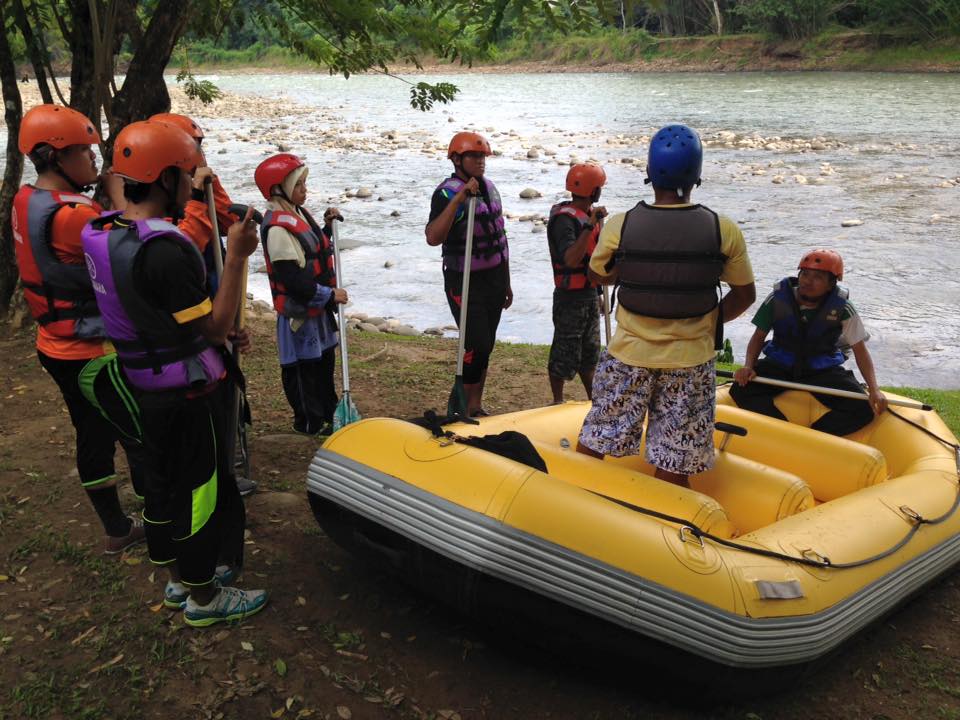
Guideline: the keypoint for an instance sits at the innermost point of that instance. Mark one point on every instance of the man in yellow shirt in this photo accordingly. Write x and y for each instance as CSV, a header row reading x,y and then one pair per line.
x,y
667,261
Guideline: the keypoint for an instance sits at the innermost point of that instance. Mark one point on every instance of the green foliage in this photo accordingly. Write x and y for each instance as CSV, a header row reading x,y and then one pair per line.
x,y
726,354
789,19
202,90
423,95
933,18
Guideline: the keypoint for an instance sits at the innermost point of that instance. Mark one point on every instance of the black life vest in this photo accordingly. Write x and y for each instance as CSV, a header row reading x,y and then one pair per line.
x,y
669,261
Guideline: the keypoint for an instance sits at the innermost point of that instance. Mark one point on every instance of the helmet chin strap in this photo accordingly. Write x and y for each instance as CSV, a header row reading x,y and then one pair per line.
x,y
77,187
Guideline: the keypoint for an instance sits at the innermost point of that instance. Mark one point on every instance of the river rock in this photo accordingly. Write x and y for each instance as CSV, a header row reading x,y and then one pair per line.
x,y
374,320
627,161
388,264
777,180
394,213
433,331
530,193
369,327
359,316
800,179
533,153
405,330
851,223
538,229
364,192
261,306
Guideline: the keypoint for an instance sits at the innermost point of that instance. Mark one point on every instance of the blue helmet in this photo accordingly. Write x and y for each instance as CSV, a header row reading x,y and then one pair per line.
x,y
675,158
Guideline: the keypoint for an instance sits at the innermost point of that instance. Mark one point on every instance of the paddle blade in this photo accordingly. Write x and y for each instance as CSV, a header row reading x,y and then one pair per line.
x,y
345,413
457,404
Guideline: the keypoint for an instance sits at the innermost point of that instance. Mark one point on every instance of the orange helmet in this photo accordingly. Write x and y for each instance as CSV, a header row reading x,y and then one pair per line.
x,y
583,179
57,126
828,260
182,122
464,142
274,170
145,149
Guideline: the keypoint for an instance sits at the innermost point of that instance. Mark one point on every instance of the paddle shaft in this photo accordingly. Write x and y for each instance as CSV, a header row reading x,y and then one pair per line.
x,y
465,292
827,391
606,311
338,270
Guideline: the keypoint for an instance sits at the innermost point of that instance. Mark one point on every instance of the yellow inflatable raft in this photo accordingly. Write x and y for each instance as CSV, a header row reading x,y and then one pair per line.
x,y
791,544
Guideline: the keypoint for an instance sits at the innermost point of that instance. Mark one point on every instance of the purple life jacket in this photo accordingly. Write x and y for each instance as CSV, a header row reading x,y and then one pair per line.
x,y
156,352
489,238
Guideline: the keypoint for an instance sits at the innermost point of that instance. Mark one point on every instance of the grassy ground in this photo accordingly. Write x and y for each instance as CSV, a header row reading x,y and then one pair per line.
x,y
84,636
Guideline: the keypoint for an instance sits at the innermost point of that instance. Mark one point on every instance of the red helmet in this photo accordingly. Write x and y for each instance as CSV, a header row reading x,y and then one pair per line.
x,y
828,260
274,170
464,142
583,179
182,122
57,126
143,150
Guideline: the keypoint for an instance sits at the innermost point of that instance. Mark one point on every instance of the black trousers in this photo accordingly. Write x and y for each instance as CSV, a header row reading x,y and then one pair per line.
x,y
96,437
846,415
309,388
193,514
488,290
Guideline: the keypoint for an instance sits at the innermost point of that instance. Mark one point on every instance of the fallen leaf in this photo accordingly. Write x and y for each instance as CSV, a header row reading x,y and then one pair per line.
x,y
4,578
280,666
278,712
107,664
157,608
344,712
83,636
290,702
301,600
246,646
448,714
133,560
355,656
304,713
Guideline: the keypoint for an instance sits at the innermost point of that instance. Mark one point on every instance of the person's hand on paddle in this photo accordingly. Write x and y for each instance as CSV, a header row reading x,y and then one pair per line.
x,y
471,187
201,176
744,375
240,339
243,237
878,401
597,214
331,214
340,296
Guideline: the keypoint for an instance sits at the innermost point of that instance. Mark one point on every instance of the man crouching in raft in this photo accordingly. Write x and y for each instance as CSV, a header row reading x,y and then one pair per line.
x,y
490,292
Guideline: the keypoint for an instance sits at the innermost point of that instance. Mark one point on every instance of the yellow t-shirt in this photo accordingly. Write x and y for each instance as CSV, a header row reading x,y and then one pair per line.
x,y
658,343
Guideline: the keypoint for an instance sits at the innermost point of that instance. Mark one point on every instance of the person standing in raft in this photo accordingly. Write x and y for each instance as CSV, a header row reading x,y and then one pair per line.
x,y
303,282
572,233
490,291
151,289
667,260
814,327
47,220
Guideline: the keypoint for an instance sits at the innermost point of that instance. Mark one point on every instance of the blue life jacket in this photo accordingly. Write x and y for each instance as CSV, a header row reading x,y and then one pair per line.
x,y
806,346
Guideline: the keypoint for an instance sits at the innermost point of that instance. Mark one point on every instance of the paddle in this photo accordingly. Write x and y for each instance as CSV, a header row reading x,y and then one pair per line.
x,y
457,403
828,391
236,419
606,312
346,412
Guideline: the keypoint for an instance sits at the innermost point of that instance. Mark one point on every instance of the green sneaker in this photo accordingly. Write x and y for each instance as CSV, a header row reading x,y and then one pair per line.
x,y
228,605
175,594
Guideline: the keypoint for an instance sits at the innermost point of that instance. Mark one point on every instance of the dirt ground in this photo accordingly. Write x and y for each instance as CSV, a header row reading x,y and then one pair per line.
x,y
84,636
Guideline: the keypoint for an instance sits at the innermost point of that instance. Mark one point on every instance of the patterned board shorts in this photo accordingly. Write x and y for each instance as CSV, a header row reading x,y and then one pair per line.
x,y
576,337
681,403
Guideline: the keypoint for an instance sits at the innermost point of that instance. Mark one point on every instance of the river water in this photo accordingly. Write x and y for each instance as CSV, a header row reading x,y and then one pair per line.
x,y
880,148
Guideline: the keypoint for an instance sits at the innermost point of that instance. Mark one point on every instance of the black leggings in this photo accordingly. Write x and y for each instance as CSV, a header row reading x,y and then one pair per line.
x,y
846,415
488,290
193,513
309,388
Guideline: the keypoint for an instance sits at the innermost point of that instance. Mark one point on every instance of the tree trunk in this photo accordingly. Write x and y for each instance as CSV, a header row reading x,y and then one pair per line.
x,y
82,97
13,112
719,17
33,50
144,90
